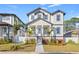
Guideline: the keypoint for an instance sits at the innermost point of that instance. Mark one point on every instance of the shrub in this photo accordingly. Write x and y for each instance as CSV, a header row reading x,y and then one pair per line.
x,y
45,41
70,42
33,41
52,42
15,47
5,41
30,41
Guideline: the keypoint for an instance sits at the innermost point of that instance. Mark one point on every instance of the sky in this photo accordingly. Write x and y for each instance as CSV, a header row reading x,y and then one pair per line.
x,y
21,10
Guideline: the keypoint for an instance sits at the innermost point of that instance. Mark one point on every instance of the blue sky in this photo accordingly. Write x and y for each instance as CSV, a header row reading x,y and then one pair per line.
x,y
21,10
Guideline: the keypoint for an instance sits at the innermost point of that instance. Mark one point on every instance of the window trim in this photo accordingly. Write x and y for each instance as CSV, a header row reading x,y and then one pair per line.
x,y
32,17
46,17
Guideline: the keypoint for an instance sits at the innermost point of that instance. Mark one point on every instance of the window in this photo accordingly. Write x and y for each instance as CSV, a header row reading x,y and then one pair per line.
x,y
6,18
32,17
58,17
5,29
45,29
58,30
45,17
39,15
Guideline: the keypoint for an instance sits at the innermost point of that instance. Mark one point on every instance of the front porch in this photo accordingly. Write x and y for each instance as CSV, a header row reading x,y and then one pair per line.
x,y
5,30
40,30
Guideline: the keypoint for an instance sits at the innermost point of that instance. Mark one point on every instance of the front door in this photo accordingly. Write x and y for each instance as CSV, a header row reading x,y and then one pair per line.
x,y
39,30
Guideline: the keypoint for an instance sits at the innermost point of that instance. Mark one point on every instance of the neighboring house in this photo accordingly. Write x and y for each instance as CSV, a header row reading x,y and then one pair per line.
x,y
71,24
72,35
46,24
14,21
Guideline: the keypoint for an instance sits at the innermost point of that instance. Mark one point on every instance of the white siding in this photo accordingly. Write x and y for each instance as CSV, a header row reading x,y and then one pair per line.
x,y
54,19
40,22
8,19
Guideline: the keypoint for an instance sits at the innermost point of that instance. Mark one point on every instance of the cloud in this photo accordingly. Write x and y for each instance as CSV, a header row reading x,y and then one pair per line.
x,y
44,8
42,4
12,6
77,16
53,5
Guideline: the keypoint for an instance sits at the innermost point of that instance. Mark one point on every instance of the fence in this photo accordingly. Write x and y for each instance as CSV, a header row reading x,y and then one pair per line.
x,y
74,39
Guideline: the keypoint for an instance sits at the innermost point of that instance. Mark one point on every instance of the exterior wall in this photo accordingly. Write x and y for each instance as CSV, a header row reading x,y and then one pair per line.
x,y
54,17
61,34
10,19
58,24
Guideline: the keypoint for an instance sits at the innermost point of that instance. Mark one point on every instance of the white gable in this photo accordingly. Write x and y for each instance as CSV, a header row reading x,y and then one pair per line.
x,y
39,22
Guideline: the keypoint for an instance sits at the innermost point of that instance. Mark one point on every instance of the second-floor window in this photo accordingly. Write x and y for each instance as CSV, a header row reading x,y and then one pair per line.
x,y
39,15
32,17
45,17
6,18
58,17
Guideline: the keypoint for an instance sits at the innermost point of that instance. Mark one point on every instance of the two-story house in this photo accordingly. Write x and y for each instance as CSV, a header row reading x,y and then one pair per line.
x,y
45,24
9,23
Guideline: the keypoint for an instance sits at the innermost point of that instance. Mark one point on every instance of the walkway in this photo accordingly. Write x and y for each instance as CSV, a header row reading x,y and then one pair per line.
x,y
39,48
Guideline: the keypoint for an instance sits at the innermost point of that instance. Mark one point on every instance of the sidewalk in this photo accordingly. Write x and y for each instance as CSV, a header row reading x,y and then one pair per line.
x,y
39,48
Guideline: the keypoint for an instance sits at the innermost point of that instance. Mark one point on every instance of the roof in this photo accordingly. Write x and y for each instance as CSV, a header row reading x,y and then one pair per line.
x,y
57,12
38,9
8,14
4,24
37,20
46,11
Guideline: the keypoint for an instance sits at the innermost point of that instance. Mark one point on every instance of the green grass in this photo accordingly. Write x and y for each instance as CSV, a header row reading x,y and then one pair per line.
x,y
62,48
16,47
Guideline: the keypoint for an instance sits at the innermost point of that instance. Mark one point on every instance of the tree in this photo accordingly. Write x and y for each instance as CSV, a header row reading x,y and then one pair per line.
x,y
29,31
16,28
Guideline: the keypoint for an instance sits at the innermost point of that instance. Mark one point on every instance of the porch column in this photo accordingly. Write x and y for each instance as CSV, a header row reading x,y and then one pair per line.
x,y
8,32
42,30
36,30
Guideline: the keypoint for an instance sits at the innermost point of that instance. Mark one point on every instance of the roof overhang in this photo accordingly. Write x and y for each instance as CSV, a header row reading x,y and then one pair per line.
x,y
57,12
37,20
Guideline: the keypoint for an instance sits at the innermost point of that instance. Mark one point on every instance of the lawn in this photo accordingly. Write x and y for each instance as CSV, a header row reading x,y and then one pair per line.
x,y
27,48
62,48
17,47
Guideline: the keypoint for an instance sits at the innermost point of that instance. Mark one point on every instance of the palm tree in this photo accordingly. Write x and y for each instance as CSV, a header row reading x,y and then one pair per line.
x,y
16,28
29,31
